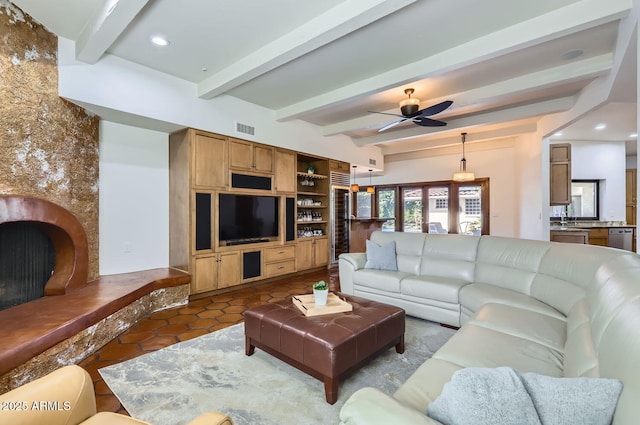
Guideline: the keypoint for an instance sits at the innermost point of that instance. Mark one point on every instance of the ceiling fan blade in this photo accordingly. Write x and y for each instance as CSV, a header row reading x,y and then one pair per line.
x,y
435,109
393,124
428,122
386,113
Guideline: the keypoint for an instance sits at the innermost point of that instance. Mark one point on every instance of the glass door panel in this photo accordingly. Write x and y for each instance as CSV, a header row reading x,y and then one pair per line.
x,y
438,209
470,209
387,208
412,209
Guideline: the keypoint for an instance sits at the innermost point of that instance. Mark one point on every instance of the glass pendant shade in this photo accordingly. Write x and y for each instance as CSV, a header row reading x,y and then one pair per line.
x,y
409,106
354,185
370,188
463,175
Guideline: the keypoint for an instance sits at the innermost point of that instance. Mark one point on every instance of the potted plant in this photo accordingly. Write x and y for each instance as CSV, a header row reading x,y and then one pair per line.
x,y
320,292
311,169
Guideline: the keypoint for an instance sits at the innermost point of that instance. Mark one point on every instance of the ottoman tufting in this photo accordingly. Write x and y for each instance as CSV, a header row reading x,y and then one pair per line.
x,y
327,347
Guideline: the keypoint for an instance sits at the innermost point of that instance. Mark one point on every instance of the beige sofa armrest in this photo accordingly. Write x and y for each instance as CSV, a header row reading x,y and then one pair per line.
x,y
370,406
63,397
212,418
348,263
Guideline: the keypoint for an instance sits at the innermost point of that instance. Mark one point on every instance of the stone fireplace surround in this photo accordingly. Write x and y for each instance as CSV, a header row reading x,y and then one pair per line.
x,y
75,318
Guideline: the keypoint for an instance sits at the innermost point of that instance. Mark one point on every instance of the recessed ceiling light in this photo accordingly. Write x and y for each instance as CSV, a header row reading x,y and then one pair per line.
x,y
600,126
633,135
159,41
558,133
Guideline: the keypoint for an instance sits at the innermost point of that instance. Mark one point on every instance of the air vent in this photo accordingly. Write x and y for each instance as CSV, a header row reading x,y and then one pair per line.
x,y
245,128
372,161
339,179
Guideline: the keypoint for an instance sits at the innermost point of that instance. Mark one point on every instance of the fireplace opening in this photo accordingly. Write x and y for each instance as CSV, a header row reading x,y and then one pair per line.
x,y
27,261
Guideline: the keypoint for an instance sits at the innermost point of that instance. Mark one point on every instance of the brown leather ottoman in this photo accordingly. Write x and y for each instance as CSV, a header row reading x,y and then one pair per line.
x,y
327,347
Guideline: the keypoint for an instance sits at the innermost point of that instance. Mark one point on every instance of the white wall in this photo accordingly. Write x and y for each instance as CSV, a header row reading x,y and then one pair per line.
x,y
499,164
602,161
134,199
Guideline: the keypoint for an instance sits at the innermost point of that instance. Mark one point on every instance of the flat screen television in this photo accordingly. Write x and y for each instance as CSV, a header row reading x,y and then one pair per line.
x,y
247,217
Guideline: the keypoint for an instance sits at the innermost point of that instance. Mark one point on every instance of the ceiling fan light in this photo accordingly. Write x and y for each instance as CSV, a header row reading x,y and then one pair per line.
x,y
409,106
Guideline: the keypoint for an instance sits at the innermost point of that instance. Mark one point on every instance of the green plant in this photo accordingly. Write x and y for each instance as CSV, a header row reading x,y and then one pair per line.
x,y
320,286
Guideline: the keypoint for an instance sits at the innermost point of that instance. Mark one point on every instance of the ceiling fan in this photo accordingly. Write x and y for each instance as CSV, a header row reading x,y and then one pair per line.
x,y
409,108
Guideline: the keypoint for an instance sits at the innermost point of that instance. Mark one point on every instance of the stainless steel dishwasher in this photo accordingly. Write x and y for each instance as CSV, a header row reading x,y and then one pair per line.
x,y
620,237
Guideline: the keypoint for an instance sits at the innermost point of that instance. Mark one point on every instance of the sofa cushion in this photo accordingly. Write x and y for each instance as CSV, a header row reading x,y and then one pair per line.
x,y
433,288
475,295
477,346
505,396
540,328
425,385
381,257
379,279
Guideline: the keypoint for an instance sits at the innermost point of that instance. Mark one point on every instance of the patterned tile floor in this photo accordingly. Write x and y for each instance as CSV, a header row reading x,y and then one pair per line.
x,y
198,317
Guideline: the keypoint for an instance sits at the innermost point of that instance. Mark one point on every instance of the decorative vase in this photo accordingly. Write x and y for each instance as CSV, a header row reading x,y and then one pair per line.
x,y
320,296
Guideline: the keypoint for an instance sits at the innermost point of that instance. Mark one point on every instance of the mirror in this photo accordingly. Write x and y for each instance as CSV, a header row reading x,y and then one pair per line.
x,y
584,202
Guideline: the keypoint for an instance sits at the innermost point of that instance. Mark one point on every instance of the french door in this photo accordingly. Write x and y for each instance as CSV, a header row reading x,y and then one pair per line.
x,y
445,207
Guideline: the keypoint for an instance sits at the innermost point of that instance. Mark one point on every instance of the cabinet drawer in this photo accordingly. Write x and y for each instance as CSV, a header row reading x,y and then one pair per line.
x,y
283,267
279,253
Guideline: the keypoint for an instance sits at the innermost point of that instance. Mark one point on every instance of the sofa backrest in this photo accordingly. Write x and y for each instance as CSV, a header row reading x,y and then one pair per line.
x,y
409,247
450,256
509,263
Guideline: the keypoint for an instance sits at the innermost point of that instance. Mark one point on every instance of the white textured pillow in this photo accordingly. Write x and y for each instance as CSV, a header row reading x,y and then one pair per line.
x,y
381,257
503,396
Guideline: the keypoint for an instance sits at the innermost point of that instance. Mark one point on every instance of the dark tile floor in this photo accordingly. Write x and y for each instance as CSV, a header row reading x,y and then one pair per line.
x,y
198,317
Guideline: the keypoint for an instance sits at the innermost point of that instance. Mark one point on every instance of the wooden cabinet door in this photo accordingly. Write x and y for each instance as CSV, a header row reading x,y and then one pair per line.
x,y
304,255
285,177
229,269
631,195
240,154
209,161
560,174
204,274
263,159
321,251
599,236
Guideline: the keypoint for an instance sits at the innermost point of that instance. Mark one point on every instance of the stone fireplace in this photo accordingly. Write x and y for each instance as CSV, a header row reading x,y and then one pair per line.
x,y
65,233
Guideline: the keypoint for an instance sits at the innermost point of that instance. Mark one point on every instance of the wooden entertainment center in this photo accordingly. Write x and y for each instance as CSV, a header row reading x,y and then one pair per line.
x,y
277,223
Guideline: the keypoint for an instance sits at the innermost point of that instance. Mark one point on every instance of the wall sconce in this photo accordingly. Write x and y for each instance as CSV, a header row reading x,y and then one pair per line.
x,y
354,185
463,175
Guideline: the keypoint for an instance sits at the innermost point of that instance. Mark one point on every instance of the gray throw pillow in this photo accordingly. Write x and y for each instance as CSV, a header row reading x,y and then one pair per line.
x,y
505,396
381,257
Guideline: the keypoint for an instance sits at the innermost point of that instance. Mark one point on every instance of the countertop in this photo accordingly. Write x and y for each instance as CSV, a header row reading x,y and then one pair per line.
x,y
578,226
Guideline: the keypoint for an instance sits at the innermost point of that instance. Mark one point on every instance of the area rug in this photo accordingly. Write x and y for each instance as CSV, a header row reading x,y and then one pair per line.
x,y
211,373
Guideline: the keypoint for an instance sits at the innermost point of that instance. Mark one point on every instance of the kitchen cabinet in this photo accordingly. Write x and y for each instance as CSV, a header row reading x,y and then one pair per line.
x,y
560,174
570,236
631,177
599,236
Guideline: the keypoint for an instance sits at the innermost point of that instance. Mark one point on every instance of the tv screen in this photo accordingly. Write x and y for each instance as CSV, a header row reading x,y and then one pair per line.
x,y
247,216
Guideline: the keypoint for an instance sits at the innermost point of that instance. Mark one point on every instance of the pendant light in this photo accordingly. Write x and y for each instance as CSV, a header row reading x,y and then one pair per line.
x,y
354,185
463,175
370,189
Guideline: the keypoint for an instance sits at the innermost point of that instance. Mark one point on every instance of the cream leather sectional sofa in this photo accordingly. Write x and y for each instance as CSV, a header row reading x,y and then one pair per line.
x,y
561,310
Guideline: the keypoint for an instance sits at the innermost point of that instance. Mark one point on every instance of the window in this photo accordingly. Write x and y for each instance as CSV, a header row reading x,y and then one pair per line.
x,y
387,208
584,205
442,204
363,205
472,206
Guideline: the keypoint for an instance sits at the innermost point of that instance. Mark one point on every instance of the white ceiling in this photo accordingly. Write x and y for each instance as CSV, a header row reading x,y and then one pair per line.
x,y
329,63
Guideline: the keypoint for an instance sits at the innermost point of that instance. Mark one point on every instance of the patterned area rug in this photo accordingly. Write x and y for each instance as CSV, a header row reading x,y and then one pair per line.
x,y
211,373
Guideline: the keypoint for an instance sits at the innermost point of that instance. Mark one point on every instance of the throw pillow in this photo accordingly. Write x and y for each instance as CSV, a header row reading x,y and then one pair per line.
x,y
499,396
381,257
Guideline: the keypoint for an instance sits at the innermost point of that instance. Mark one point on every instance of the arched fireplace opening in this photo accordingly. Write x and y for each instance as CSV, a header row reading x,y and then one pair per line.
x,y
63,232
27,261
